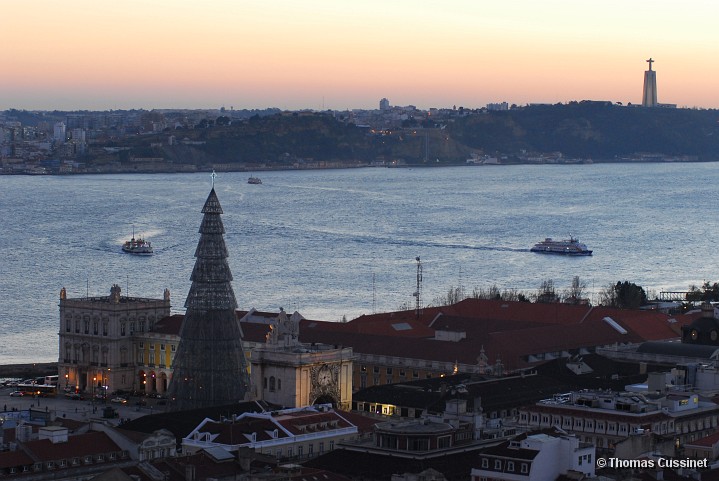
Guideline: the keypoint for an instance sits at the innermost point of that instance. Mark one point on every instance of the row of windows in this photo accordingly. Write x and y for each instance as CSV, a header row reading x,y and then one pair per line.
x,y
64,463
275,384
389,371
510,466
301,450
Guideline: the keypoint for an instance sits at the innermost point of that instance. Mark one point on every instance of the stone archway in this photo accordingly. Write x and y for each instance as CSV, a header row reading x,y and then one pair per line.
x,y
326,399
162,383
151,382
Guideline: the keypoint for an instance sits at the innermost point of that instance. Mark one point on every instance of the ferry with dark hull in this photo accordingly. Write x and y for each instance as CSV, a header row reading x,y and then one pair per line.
x,y
567,247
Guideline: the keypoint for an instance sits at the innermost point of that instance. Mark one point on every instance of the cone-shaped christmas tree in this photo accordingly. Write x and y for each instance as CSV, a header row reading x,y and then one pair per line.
x,y
209,368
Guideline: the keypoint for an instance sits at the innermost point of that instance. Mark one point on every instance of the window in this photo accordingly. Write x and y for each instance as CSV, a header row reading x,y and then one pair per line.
x,y
376,369
289,452
132,327
332,445
525,468
322,447
272,383
152,347
485,463
389,371
279,383
104,328
87,327
173,347
77,327
122,329
415,374
510,466
300,451
162,347
497,464
142,326
95,327
68,325
310,450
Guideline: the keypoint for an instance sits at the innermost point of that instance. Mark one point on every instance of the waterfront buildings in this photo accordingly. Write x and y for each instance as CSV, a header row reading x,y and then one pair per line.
x,y
96,339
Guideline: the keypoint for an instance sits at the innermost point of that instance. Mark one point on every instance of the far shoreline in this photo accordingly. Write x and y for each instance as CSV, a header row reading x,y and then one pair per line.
x,y
28,370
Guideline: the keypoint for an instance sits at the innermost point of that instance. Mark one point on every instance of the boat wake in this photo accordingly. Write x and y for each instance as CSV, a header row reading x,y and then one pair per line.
x,y
441,245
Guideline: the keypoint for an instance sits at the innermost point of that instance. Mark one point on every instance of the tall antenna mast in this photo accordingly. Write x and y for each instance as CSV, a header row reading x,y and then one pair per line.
x,y
374,295
418,292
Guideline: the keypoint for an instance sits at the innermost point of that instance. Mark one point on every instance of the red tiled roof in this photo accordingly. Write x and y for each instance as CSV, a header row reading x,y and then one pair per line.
x,y
706,441
365,424
79,445
11,459
239,432
293,422
254,331
169,325
507,330
648,325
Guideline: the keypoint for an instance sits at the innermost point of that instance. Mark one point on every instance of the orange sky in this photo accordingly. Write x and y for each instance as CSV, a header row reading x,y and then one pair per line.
x,y
334,54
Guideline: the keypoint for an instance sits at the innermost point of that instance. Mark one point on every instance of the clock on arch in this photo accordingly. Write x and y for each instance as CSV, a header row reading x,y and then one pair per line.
x,y
324,376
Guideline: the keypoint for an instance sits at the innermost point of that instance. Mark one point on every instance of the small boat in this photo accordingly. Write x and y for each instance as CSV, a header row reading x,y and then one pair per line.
x,y
137,246
567,247
254,180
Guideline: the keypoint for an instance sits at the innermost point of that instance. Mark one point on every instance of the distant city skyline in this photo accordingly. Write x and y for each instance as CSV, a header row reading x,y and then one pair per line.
x,y
320,54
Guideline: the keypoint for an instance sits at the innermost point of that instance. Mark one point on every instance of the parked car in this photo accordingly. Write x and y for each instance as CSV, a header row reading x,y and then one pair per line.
x,y
75,396
17,393
119,400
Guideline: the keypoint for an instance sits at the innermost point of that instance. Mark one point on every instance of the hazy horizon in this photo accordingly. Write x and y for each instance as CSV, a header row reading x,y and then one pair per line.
x,y
319,54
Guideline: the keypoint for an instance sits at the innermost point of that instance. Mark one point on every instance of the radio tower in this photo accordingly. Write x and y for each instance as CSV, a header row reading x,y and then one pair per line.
x,y
418,293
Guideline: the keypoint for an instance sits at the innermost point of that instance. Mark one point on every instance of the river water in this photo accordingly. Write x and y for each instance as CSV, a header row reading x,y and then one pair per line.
x,y
334,243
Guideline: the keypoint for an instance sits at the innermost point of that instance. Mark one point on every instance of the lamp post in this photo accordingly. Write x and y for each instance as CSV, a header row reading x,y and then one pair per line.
x,y
94,383
66,380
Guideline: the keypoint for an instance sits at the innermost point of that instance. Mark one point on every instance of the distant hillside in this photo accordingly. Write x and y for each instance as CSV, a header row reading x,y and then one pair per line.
x,y
593,130
600,131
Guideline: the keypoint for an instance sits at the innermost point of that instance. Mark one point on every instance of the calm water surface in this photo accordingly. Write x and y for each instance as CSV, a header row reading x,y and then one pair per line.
x,y
344,242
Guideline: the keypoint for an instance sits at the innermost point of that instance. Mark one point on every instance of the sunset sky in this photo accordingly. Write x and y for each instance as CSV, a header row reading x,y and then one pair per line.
x,y
337,54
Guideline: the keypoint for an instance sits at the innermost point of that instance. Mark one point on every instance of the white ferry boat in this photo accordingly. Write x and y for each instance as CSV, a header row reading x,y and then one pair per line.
x,y
137,246
567,247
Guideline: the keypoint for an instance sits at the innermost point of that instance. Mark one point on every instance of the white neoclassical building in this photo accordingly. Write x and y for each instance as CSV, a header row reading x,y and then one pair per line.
x,y
97,336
